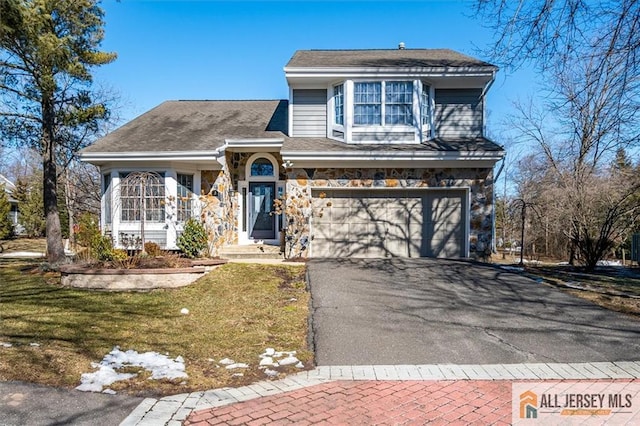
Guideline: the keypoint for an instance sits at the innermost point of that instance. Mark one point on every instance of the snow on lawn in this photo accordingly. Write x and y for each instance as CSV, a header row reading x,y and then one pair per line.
x,y
163,367
160,366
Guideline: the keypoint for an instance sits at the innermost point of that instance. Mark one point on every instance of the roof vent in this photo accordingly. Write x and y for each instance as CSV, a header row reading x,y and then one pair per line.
x,y
401,45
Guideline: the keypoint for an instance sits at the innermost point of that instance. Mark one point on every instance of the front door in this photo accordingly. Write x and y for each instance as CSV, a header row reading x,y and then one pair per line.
x,y
262,223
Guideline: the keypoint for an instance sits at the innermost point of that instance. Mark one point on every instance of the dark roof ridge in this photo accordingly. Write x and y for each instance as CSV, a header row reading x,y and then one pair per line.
x,y
225,100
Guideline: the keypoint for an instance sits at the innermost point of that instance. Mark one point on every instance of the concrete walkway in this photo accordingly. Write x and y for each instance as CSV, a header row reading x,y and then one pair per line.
x,y
468,391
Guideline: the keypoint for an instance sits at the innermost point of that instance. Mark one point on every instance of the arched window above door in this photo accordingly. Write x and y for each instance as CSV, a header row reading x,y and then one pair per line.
x,y
262,167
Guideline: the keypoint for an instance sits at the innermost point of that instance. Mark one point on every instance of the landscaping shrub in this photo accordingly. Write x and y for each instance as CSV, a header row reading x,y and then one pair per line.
x,y
193,240
152,249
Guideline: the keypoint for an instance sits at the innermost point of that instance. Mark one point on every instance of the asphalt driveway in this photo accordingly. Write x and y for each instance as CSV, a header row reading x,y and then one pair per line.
x,y
435,311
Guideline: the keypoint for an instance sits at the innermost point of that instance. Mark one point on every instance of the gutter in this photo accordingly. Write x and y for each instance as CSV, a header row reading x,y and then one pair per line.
x,y
150,155
386,155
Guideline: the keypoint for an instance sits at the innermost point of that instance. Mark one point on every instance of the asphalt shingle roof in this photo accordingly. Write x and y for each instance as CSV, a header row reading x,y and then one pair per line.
x,y
383,58
196,126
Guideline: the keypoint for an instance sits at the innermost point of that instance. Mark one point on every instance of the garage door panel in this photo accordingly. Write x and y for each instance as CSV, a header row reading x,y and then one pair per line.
x,y
339,214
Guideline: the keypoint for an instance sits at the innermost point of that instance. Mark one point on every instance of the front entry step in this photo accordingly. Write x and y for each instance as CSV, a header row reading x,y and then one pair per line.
x,y
252,251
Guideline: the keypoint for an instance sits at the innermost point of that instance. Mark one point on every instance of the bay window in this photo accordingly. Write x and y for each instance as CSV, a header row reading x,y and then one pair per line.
x,y
383,111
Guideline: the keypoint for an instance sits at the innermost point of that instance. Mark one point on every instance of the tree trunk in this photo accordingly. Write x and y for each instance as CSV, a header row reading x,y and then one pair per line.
x,y
55,248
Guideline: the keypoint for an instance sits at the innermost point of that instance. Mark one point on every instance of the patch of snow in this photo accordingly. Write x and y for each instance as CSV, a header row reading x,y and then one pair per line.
x,y
5,345
300,365
237,375
109,391
211,360
562,263
227,361
236,365
267,360
184,311
160,366
270,373
609,263
269,352
512,268
290,360
35,345
96,381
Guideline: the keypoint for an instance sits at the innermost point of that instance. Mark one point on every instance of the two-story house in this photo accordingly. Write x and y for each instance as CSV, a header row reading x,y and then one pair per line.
x,y
377,152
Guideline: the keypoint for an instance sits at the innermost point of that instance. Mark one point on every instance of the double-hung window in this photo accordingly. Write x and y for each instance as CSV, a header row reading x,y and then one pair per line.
x,y
367,103
424,104
398,100
338,104
185,197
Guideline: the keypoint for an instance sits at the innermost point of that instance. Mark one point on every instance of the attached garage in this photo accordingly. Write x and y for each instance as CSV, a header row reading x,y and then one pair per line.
x,y
390,222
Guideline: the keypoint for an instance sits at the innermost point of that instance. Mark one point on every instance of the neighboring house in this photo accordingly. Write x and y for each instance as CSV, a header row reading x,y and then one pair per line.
x,y
9,188
378,152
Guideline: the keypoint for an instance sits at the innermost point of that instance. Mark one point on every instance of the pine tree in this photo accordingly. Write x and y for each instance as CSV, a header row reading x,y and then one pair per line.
x,y
48,49
6,225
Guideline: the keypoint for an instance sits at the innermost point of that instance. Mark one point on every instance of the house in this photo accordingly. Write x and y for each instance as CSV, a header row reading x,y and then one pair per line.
x,y
375,153
9,188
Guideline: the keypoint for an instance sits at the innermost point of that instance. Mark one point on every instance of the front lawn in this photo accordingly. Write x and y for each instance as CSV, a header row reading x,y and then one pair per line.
x,y
616,288
236,311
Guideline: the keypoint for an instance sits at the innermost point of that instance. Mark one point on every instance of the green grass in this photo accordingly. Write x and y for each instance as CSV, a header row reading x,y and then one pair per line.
x,y
236,311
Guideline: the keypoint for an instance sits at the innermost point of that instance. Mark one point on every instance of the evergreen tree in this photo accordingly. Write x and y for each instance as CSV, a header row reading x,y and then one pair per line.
x,y
48,49
6,225
30,206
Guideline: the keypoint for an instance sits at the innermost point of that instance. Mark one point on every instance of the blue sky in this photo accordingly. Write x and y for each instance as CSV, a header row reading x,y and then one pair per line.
x,y
237,49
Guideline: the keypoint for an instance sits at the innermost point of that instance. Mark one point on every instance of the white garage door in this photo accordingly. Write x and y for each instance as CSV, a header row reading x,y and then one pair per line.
x,y
385,223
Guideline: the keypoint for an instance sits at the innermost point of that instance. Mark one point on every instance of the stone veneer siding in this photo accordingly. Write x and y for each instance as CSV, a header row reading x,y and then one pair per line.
x,y
479,180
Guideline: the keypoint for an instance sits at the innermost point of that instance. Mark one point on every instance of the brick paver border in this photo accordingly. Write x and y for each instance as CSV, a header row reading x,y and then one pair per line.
x,y
465,379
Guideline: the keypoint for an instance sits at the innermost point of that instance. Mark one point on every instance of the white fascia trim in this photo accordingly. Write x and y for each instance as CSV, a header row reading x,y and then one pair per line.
x,y
391,72
150,155
389,156
251,143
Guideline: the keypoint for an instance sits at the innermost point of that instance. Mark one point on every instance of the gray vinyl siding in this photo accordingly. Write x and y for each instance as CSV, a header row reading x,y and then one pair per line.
x,y
458,113
309,112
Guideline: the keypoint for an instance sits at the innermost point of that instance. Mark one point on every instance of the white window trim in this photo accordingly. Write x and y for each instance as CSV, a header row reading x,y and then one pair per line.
x,y
254,157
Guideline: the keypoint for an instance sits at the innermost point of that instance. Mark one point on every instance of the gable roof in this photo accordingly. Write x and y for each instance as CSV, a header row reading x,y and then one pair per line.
x,y
180,126
383,58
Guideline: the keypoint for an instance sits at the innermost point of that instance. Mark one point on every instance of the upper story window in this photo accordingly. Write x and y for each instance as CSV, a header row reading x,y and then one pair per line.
x,y
367,103
398,102
262,167
369,108
338,104
424,105
185,197
382,111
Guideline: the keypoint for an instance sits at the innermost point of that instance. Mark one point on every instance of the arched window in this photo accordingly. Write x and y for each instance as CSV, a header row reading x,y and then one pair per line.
x,y
262,167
